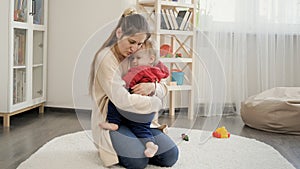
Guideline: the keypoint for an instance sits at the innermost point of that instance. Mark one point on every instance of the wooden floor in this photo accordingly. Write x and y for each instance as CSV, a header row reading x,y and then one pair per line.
x,y
30,130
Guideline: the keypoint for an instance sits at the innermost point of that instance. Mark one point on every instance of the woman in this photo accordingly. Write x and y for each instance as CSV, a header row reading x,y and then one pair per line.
x,y
106,85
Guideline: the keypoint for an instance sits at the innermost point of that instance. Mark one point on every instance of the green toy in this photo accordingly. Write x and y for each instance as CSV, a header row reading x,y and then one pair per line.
x,y
178,55
185,137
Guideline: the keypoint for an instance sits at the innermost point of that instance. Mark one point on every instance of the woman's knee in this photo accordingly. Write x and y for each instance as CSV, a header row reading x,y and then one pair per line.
x,y
173,156
133,163
170,157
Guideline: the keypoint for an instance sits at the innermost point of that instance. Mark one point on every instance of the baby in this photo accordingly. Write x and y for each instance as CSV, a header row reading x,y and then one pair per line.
x,y
145,67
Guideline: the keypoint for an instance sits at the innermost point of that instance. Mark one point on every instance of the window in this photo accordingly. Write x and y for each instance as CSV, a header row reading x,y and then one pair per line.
x,y
271,11
250,15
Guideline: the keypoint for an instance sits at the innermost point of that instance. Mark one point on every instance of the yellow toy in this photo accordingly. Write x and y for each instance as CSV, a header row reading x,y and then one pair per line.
x,y
221,132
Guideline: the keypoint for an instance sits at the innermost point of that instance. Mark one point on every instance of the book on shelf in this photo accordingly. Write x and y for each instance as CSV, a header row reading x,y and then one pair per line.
x,y
173,17
16,49
183,17
169,18
162,23
19,86
19,48
18,4
38,18
181,21
180,16
20,7
22,47
188,23
164,20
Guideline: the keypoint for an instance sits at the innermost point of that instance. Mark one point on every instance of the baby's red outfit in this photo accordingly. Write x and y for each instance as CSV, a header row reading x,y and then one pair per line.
x,y
140,74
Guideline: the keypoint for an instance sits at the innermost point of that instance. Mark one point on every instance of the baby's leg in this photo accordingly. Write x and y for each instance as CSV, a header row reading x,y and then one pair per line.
x,y
151,149
114,118
141,129
109,126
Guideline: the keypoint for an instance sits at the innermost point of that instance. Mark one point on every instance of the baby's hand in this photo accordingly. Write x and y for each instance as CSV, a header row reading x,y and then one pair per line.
x,y
143,89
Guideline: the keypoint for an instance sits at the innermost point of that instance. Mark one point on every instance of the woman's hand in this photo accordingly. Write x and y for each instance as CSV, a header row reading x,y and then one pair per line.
x,y
144,89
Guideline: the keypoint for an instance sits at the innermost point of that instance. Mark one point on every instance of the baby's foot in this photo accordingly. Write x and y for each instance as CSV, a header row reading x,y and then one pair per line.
x,y
151,149
109,126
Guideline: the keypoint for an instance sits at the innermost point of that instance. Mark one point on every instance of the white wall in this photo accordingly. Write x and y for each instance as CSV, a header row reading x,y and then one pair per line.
x,y
71,23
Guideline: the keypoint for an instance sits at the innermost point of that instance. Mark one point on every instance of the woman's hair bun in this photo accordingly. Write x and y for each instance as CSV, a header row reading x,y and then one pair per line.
x,y
129,11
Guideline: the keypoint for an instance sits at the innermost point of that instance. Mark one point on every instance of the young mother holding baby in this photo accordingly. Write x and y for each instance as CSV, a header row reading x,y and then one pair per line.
x,y
106,85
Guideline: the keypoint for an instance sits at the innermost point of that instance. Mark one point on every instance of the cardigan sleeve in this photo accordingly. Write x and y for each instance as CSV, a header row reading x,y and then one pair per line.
x,y
108,75
161,90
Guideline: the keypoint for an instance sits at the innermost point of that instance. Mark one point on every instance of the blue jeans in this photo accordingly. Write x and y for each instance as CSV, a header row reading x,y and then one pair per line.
x,y
130,149
139,124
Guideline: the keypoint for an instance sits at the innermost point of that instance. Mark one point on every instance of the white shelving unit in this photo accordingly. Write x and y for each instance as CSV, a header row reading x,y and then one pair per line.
x,y
23,49
181,41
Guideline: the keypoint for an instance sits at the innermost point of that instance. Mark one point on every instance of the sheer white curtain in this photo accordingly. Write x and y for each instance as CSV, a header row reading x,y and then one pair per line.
x,y
256,41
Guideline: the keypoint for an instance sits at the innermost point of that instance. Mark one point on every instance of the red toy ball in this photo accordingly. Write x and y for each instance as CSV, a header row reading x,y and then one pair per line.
x,y
217,135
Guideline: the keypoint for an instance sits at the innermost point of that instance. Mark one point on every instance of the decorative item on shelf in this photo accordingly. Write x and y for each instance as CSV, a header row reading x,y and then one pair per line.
x,y
169,55
16,14
178,55
172,83
166,51
177,76
221,132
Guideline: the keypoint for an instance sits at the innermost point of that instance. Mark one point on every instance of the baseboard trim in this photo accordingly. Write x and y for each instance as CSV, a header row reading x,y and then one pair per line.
x,y
229,109
66,110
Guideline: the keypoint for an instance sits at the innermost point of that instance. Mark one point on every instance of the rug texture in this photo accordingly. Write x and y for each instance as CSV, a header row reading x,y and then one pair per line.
x,y
77,151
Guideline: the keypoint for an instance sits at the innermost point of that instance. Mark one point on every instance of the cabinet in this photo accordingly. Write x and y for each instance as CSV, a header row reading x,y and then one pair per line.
x,y
163,15
23,52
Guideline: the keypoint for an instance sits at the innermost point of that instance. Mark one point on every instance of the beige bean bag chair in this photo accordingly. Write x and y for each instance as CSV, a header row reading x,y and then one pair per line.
x,y
275,110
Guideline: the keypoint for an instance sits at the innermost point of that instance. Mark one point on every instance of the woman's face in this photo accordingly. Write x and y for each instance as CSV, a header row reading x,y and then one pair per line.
x,y
130,44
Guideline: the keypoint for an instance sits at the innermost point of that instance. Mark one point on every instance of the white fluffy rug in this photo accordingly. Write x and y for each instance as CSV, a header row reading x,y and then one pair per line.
x,y
76,151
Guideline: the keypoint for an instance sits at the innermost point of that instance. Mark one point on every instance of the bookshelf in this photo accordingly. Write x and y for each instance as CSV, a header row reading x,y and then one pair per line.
x,y
172,23
23,47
